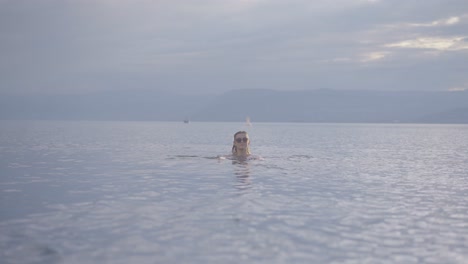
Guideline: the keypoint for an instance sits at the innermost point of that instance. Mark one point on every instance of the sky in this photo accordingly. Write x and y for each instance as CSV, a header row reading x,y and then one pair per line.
x,y
212,46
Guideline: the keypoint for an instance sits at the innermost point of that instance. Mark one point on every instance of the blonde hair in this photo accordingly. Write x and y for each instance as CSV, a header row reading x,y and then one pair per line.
x,y
234,148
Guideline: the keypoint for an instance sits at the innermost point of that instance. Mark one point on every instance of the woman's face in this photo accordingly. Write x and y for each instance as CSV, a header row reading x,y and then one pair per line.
x,y
241,140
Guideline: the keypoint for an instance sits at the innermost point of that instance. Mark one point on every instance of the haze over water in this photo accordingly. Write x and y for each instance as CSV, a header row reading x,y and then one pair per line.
x,y
154,192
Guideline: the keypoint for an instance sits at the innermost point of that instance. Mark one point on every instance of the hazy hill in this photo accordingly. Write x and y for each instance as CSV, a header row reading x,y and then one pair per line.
x,y
453,116
120,105
337,106
261,105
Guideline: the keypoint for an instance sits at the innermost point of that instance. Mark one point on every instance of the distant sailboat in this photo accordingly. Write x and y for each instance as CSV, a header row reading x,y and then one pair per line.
x,y
247,121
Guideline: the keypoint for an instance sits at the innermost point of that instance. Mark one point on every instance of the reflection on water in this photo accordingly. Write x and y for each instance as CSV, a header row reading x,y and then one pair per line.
x,y
156,193
241,169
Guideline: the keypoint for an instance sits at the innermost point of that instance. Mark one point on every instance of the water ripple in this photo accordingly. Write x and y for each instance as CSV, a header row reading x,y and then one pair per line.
x,y
338,194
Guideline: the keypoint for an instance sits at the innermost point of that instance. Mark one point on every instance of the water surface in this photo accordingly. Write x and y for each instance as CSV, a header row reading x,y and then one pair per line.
x,y
153,192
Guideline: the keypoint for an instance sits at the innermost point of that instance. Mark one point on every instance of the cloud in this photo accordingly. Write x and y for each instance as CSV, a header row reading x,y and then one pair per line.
x,y
442,44
459,88
437,23
215,45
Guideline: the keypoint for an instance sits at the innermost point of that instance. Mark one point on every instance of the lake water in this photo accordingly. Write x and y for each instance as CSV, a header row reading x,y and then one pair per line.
x,y
154,192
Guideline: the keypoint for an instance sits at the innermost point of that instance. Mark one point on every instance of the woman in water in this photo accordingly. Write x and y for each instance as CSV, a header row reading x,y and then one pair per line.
x,y
241,144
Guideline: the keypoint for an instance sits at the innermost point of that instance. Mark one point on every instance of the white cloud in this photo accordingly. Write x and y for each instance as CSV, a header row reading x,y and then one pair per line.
x,y
437,43
460,88
373,56
441,22
79,42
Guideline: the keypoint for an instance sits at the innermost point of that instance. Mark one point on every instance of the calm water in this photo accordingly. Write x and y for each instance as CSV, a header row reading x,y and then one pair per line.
x,y
129,192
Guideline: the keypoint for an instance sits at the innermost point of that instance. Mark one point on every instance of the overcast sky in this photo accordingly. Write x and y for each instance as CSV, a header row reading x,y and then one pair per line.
x,y
63,46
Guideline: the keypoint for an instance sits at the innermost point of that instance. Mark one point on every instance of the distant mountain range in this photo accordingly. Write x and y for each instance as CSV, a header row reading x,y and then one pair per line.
x,y
260,105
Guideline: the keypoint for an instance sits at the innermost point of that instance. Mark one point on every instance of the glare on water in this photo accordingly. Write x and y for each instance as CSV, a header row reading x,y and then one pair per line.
x,y
146,192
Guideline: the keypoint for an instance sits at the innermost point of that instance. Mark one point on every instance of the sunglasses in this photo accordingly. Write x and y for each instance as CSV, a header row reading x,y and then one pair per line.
x,y
239,140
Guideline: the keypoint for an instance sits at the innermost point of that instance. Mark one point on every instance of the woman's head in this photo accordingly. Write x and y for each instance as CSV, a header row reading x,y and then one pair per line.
x,y
241,144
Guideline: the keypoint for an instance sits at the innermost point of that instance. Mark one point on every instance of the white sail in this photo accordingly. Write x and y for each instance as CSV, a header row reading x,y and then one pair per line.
x,y
247,121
